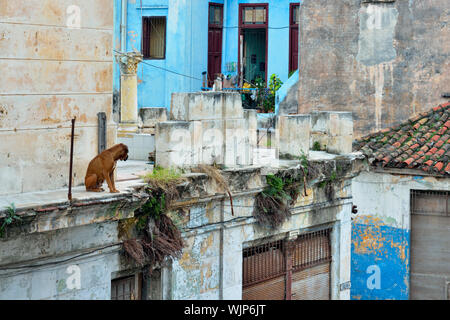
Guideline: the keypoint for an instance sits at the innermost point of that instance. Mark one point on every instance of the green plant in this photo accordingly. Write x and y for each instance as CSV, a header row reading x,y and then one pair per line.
x,y
266,97
304,162
153,208
275,188
275,84
316,146
10,218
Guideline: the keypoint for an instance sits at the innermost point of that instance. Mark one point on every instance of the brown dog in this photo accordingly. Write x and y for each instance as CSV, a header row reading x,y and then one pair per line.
x,y
102,167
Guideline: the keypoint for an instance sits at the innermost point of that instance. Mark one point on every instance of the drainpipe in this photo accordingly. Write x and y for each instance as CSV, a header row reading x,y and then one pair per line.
x,y
123,26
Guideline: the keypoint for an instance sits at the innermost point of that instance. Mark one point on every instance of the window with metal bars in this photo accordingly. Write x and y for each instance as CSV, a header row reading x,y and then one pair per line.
x,y
430,203
263,262
267,261
311,249
154,37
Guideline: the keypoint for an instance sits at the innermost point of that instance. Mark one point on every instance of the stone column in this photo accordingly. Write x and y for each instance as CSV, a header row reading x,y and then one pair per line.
x,y
128,91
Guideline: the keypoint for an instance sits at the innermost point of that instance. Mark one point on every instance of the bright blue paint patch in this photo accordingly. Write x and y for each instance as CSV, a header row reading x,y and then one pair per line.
x,y
392,258
283,91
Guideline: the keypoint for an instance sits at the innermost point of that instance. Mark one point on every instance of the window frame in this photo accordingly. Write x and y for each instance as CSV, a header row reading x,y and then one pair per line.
x,y
243,6
144,18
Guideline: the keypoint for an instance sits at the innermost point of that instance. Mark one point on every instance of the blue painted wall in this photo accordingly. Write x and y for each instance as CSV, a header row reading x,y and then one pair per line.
x,y
187,44
380,261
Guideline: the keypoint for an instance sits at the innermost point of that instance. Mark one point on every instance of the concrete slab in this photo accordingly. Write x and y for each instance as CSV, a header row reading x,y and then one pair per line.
x,y
128,174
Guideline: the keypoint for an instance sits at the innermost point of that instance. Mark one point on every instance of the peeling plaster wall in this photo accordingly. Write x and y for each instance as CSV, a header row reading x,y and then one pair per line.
x,y
211,265
50,74
384,60
381,233
54,281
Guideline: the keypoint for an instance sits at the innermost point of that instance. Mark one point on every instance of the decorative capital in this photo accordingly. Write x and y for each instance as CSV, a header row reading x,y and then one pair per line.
x,y
128,62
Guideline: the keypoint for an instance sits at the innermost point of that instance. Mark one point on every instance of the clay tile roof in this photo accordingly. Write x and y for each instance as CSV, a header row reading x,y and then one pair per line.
x,y
422,142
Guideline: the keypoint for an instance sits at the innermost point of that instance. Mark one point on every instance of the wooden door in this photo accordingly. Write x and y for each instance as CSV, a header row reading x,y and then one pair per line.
x,y
215,34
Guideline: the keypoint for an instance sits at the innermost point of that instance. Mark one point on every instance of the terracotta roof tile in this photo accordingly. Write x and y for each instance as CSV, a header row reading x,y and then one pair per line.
x,y
422,142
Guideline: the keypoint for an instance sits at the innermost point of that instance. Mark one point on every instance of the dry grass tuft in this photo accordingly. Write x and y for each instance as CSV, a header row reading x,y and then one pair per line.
x,y
215,174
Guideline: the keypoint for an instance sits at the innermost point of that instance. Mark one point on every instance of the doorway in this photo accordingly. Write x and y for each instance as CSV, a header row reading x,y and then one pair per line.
x,y
253,25
254,54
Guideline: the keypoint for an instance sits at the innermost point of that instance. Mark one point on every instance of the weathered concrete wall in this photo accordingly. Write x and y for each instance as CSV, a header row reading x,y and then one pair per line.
x,y
383,60
333,131
54,281
50,74
208,127
211,265
62,251
381,233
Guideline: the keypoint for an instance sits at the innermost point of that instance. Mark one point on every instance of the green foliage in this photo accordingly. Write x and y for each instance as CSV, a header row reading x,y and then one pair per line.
x,y
275,83
304,162
316,146
266,98
154,207
276,188
10,218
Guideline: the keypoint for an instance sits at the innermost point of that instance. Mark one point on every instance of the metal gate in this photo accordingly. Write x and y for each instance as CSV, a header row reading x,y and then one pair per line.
x,y
298,269
430,245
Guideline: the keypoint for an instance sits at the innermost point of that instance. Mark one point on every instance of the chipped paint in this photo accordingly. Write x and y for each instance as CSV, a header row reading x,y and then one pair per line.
x,y
383,246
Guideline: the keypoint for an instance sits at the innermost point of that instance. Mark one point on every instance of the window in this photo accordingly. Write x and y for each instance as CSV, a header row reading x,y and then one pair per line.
x,y
254,15
295,12
127,288
154,37
215,15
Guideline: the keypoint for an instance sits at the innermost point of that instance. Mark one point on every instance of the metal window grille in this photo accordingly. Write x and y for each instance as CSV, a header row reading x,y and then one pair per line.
x,y
311,249
263,262
430,203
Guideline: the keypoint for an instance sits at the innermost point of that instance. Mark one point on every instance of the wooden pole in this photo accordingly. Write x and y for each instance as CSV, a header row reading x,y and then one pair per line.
x,y
71,159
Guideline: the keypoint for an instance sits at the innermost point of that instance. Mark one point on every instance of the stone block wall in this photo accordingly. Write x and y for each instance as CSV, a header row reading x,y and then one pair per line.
x,y
51,74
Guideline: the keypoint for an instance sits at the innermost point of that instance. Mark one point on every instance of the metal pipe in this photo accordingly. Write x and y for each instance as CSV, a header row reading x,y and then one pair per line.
x,y
123,26
71,159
